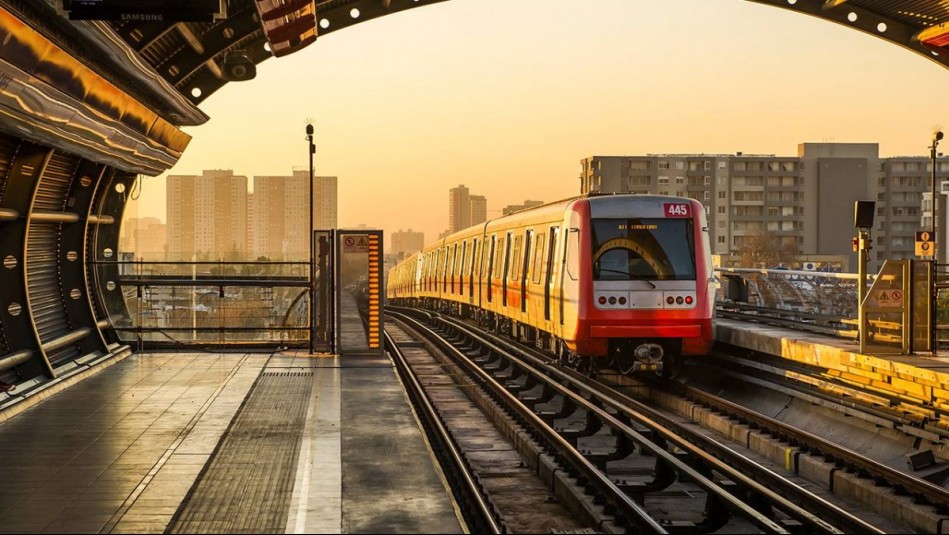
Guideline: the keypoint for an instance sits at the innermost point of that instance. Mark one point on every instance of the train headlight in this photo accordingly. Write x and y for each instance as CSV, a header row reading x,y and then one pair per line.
x,y
622,300
688,299
670,300
612,300
679,300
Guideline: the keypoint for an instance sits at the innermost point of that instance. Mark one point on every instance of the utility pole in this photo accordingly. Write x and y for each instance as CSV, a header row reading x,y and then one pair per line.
x,y
312,299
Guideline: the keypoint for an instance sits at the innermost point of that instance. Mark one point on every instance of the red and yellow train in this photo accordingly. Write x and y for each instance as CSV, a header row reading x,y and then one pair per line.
x,y
622,276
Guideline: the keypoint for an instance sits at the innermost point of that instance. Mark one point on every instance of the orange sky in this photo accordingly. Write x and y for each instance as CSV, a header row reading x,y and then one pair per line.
x,y
506,97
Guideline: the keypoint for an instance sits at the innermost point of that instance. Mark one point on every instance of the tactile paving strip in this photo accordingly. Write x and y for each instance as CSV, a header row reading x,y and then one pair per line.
x,y
247,485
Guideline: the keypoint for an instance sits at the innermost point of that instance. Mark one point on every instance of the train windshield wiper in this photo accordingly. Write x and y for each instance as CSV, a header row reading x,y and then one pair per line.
x,y
633,275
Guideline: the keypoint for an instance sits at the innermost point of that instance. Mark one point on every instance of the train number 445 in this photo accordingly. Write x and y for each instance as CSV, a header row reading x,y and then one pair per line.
x,y
678,209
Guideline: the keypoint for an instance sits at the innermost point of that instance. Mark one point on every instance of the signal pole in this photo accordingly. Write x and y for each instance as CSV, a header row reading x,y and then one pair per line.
x,y
934,289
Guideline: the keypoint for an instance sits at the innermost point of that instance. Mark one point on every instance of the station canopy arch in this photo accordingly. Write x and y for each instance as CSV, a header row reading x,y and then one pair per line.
x,y
193,56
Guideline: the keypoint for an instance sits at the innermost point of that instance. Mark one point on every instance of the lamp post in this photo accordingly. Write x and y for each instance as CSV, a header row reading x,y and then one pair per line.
x,y
934,210
311,300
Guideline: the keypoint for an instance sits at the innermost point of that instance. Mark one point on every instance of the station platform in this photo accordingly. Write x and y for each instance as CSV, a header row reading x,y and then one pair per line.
x,y
224,443
922,380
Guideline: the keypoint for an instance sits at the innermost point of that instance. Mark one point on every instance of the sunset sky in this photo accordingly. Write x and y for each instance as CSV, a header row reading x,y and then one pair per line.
x,y
507,96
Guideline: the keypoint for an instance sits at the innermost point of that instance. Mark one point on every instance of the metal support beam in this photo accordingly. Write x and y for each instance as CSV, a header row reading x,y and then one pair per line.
x,y
185,61
17,316
101,252
14,359
44,216
73,259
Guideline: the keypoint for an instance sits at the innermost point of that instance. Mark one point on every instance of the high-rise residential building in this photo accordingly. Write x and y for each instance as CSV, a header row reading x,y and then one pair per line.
x,y
511,208
478,210
214,216
206,215
407,242
266,228
296,216
145,237
459,209
807,199
279,221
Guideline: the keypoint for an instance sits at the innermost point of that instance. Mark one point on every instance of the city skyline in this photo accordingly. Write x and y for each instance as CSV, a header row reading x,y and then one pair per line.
x,y
513,121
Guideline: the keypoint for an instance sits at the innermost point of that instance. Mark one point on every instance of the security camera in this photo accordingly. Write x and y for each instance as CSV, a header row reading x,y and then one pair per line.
x,y
237,67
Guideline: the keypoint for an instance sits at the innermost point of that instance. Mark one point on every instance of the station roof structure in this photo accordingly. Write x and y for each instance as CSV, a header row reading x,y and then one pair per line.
x,y
192,56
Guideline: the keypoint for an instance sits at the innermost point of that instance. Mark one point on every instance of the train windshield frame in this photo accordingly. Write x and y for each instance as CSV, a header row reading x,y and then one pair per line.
x,y
650,249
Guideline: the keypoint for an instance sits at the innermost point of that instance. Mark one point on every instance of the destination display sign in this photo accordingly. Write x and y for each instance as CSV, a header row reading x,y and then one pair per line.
x,y
145,10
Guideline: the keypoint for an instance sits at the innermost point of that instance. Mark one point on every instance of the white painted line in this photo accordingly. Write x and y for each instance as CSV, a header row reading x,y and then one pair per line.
x,y
316,504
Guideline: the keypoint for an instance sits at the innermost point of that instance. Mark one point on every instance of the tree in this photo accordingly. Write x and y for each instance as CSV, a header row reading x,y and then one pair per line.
x,y
767,250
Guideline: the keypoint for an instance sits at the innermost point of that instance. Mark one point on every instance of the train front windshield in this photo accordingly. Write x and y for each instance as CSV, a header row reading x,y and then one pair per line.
x,y
643,249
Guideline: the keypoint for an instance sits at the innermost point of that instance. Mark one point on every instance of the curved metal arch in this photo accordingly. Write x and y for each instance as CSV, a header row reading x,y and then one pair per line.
x,y
921,26
904,22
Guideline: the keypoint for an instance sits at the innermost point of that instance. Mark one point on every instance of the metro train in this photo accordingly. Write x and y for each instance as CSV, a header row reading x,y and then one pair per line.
x,y
620,276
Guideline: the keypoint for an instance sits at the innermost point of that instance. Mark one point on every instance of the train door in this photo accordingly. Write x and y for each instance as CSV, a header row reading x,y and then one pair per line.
x,y
549,269
537,274
471,270
454,266
525,263
505,268
417,280
490,270
570,270
461,268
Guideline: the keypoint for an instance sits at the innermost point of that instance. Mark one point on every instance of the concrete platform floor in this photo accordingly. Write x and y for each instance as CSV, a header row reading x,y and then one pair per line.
x,y
122,450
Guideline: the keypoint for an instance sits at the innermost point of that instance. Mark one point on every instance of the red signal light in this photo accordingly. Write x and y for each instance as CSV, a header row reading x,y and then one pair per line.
x,y
688,299
602,300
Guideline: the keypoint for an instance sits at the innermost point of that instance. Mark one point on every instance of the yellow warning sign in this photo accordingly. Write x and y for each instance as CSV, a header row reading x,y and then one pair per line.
x,y
888,298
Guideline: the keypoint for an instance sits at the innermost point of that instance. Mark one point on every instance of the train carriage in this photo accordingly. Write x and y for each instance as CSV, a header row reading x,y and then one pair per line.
x,y
621,276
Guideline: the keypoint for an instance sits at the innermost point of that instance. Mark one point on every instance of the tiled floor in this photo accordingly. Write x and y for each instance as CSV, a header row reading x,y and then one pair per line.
x,y
119,451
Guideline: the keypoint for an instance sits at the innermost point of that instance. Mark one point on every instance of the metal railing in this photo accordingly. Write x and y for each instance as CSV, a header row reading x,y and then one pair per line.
x,y
158,304
819,301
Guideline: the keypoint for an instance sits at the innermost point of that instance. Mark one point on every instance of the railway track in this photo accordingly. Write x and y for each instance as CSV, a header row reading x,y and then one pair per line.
x,y
653,474
817,386
496,489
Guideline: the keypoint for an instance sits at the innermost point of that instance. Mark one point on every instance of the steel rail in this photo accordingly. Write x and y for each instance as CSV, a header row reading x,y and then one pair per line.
x,y
770,479
579,461
635,514
488,522
933,494
662,425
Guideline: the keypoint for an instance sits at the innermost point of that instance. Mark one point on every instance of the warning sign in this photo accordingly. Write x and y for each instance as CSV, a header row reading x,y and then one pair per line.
x,y
356,243
925,242
888,298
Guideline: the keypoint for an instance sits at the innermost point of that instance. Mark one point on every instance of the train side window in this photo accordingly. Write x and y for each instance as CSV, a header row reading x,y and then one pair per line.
x,y
573,253
538,257
444,269
516,263
499,259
